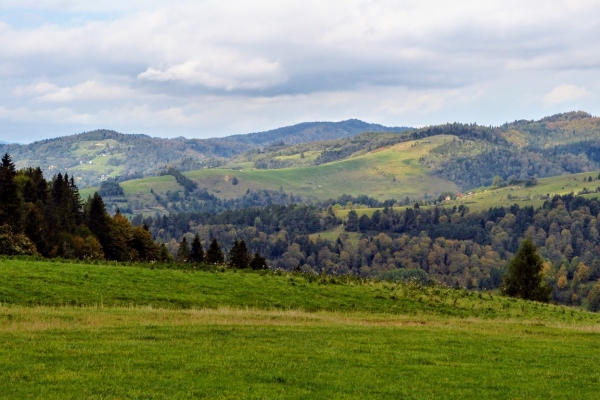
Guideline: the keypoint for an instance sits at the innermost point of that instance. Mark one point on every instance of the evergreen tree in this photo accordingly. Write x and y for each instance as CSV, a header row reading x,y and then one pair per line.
x,y
352,223
10,201
258,262
196,251
183,254
238,255
165,255
214,255
36,228
108,231
143,244
524,278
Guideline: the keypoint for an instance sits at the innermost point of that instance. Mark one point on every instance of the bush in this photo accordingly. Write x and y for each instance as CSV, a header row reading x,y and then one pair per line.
x,y
15,244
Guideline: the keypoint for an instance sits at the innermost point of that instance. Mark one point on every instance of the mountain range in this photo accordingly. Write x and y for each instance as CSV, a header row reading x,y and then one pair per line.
x,y
456,156
105,152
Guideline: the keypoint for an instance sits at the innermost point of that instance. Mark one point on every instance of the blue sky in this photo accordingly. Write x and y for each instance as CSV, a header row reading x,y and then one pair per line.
x,y
214,68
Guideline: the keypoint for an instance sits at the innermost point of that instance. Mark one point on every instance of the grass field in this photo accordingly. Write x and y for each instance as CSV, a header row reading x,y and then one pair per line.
x,y
523,196
99,152
392,172
111,331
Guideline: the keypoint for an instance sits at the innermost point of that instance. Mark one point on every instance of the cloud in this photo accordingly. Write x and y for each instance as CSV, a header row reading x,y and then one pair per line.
x,y
226,73
89,90
566,93
185,65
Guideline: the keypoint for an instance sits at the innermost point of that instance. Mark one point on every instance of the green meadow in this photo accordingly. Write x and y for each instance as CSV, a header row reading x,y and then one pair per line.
x,y
486,198
76,330
391,172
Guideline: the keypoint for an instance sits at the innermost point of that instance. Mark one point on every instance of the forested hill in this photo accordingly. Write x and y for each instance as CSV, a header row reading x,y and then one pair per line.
x,y
311,132
104,152
559,144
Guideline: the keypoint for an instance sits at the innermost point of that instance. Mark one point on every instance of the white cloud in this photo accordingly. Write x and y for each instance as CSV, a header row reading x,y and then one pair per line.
x,y
89,90
389,61
226,73
566,93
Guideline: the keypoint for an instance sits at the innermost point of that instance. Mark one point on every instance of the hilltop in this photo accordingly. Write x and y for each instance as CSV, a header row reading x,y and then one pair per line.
x,y
92,156
556,145
416,164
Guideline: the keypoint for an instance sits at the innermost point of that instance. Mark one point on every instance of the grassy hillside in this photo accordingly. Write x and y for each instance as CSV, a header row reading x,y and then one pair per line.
x,y
247,335
89,155
523,196
391,172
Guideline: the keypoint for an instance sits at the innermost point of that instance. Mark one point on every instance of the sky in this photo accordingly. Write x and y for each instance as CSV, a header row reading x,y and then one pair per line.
x,y
214,68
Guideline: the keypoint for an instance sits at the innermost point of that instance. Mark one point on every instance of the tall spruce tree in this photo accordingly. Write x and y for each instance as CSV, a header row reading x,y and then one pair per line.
x,y
11,212
183,254
352,222
524,277
109,232
214,255
238,255
196,250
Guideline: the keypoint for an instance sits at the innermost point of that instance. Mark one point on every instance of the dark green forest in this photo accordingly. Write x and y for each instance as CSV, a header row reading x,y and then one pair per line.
x,y
49,219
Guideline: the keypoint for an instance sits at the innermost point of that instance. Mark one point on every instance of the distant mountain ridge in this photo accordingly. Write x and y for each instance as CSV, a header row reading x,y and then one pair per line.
x,y
92,155
312,132
555,145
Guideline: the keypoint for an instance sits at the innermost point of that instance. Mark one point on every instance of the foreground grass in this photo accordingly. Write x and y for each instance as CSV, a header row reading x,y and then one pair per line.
x,y
25,282
102,331
228,353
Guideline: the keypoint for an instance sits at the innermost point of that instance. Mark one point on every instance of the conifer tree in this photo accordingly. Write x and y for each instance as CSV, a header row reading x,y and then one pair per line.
x,y
214,255
238,255
10,201
165,255
183,254
196,251
524,278
258,262
352,222
110,233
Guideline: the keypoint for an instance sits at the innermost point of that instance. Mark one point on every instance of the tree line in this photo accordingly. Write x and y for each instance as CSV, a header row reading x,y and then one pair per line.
x,y
454,246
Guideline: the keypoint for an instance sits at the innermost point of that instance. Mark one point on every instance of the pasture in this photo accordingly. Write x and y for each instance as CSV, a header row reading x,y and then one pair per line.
x,y
75,330
535,196
392,172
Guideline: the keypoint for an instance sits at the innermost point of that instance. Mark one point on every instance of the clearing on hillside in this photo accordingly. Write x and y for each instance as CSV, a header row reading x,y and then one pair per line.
x,y
391,172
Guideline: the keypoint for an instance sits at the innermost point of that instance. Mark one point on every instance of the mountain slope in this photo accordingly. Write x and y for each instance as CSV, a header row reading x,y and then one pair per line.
x,y
393,172
90,155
